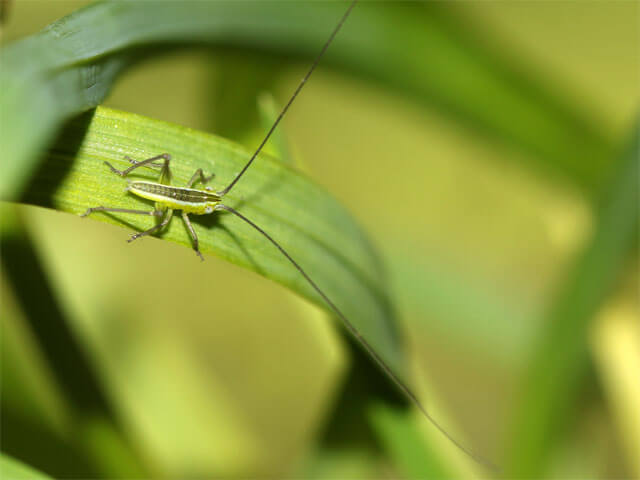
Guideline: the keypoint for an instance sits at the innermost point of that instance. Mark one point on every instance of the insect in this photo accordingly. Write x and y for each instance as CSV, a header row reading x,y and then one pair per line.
x,y
193,201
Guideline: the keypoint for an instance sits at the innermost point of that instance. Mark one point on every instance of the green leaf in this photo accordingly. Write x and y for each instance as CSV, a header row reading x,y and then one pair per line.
x,y
11,469
33,108
304,219
561,361
238,80
398,432
269,111
424,52
87,426
338,464
428,293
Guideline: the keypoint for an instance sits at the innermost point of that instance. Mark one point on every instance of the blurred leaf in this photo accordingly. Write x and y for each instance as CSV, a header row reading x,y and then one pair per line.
x,y
28,385
349,446
32,108
239,79
370,418
560,360
309,224
428,292
110,450
269,111
615,342
398,433
31,405
338,464
29,440
72,370
349,425
424,52
11,469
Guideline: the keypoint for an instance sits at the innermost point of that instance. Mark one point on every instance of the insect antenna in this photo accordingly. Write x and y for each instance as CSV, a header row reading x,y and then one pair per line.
x,y
366,345
293,97
350,326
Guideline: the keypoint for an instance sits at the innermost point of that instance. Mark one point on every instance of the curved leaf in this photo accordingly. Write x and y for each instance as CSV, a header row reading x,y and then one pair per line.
x,y
308,223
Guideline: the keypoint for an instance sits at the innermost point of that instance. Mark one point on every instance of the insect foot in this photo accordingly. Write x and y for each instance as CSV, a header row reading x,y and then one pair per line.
x,y
122,173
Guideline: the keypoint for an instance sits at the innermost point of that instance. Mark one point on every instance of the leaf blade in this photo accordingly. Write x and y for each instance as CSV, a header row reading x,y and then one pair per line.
x,y
560,358
309,224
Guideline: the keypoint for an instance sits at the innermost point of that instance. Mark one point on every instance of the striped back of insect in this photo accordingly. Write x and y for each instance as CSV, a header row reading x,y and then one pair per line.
x,y
189,200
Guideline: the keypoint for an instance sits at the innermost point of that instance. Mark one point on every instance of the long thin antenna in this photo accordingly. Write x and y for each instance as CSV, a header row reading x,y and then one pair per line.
x,y
295,94
358,336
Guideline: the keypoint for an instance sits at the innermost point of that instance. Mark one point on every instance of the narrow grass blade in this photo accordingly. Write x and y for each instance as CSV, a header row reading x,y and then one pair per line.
x,y
561,357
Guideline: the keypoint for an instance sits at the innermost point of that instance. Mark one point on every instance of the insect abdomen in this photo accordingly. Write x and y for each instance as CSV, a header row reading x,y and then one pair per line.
x,y
186,199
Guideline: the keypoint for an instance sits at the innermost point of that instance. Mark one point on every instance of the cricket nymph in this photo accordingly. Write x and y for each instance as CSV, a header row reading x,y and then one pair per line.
x,y
189,200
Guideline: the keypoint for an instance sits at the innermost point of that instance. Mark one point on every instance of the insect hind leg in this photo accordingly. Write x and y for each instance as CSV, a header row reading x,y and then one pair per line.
x,y
152,165
149,162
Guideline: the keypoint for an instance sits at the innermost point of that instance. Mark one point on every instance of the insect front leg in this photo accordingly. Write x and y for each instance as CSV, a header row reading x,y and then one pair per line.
x,y
150,162
187,222
155,228
203,179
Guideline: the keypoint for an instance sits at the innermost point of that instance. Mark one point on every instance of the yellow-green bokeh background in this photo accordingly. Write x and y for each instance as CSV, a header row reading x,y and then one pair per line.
x,y
217,371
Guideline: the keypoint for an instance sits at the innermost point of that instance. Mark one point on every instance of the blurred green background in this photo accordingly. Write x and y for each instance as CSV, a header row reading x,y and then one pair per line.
x,y
491,246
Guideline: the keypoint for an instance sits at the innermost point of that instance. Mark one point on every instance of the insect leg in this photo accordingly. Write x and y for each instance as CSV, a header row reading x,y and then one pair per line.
x,y
89,211
151,165
155,228
187,222
149,161
203,179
